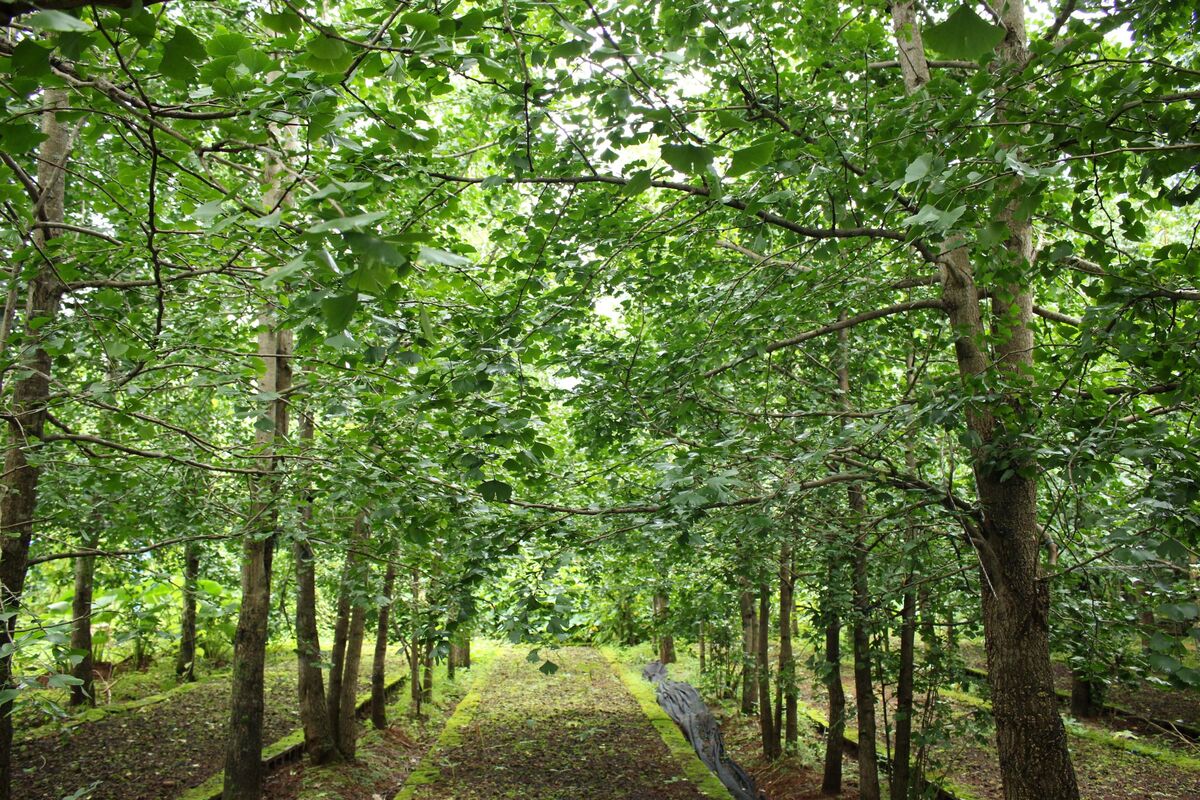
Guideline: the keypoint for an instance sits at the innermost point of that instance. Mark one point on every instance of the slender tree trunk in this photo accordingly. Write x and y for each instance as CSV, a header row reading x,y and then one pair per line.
x,y
1030,738
81,629
415,647
749,685
347,729
666,642
19,483
379,662
427,681
766,723
701,644
185,659
787,660
341,630
310,684
835,729
901,783
352,576
864,688
243,755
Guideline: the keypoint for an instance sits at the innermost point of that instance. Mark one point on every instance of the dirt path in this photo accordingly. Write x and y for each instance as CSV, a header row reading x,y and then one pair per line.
x,y
577,734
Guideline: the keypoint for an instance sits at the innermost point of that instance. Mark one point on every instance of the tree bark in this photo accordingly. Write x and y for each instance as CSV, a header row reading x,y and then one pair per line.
x,y
243,755
347,729
337,658
835,729
81,629
864,688
787,660
1030,738
415,647
379,662
749,652
427,681
666,642
185,659
766,723
310,683
1087,696
30,394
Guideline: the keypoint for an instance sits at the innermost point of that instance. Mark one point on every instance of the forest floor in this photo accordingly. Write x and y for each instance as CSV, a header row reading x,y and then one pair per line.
x,y
1110,763
153,747
575,734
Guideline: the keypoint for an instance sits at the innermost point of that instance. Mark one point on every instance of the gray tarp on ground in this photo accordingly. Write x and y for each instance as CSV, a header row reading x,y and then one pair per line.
x,y
683,704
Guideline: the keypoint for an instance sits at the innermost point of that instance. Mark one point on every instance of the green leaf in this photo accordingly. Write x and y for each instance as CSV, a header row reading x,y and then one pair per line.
x,y
494,490
421,20
689,159
568,50
30,60
433,255
283,22
285,272
751,158
919,168
57,21
638,183
343,224
964,35
20,137
268,221
180,54
339,310
548,668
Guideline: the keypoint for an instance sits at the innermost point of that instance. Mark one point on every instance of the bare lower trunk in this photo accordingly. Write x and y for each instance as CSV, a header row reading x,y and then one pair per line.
x,y
19,483
347,729
749,652
379,662
700,638
427,681
901,782
787,660
81,631
415,647
185,659
243,754
835,731
337,658
766,723
310,684
1087,696
666,642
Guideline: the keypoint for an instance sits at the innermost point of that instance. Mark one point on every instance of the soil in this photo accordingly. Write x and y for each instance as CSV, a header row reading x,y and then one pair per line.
x,y
1145,700
153,752
574,735
1105,772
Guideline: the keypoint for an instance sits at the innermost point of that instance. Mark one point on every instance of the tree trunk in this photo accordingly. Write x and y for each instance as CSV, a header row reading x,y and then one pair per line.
x,y
901,783
347,729
1087,696
379,662
19,483
701,644
666,642
766,723
81,629
414,647
243,754
787,660
341,630
185,659
310,684
864,689
749,685
1030,738
427,681
835,730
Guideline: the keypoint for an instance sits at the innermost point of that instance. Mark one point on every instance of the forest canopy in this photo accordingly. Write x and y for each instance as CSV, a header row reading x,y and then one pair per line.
x,y
604,322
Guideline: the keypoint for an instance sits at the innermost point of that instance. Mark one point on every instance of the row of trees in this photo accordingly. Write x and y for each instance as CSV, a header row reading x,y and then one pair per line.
x,y
889,307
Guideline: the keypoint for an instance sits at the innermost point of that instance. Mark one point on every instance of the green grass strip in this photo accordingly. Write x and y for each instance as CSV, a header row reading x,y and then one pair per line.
x,y
681,751
1075,729
426,772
